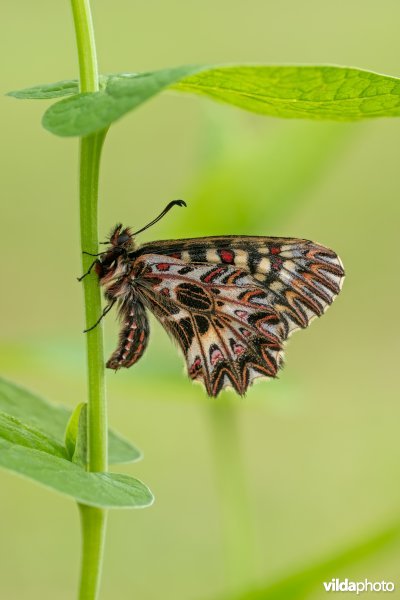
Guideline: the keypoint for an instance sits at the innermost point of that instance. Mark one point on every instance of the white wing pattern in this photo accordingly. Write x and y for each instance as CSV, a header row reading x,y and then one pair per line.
x,y
232,310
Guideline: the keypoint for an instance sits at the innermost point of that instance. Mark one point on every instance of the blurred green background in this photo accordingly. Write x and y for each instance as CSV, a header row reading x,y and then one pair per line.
x,y
309,461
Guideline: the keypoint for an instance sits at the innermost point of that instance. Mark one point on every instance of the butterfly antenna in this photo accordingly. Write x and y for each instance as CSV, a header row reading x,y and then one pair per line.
x,y
161,215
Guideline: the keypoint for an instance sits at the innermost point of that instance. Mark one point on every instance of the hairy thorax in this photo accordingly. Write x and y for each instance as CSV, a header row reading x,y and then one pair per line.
x,y
115,276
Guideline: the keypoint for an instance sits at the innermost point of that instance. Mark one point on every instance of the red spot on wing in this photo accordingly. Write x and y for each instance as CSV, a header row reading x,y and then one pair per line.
x,y
227,256
238,349
196,366
216,356
175,255
275,249
163,266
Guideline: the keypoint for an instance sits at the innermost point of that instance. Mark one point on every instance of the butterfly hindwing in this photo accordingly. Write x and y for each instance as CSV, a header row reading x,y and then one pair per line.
x,y
220,317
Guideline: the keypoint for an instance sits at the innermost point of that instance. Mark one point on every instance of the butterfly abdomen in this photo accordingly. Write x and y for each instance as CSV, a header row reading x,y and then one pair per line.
x,y
133,337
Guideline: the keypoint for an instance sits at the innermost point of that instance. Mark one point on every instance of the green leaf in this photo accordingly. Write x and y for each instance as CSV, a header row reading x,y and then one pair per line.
x,y
104,490
14,431
47,91
52,420
302,91
308,92
80,455
35,454
76,435
86,113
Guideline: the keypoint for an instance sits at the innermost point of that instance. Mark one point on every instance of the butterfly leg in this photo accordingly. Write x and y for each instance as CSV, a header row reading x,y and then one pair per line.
x,y
93,263
103,314
89,269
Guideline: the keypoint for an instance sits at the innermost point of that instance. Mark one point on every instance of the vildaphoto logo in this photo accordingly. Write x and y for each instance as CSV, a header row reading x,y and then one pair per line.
x,y
336,585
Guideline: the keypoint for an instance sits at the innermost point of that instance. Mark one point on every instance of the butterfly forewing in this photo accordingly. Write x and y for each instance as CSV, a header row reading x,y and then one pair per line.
x,y
302,278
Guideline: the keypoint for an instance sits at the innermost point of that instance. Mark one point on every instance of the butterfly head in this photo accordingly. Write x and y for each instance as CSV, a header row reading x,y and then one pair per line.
x,y
115,263
121,238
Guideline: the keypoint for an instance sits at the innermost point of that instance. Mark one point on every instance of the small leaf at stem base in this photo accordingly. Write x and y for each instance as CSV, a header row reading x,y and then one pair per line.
x,y
51,420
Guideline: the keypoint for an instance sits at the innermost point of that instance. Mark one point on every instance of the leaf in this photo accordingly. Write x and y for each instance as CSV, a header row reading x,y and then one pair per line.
x,y
76,435
80,455
299,585
302,91
48,91
31,453
104,490
52,420
298,91
14,431
86,113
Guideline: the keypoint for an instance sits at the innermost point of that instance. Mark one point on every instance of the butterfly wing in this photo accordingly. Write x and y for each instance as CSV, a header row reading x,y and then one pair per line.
x,y
221,317
301,278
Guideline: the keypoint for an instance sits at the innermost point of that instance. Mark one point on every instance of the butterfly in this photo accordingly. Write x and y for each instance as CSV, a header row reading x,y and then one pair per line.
x,y
229,301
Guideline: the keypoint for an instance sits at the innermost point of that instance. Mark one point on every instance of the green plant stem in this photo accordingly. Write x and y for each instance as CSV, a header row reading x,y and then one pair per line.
x,y
236,521
93,525
90,152
93,520
88,71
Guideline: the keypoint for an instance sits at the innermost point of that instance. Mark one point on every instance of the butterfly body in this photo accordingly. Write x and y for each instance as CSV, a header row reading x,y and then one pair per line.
x,y
229,301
